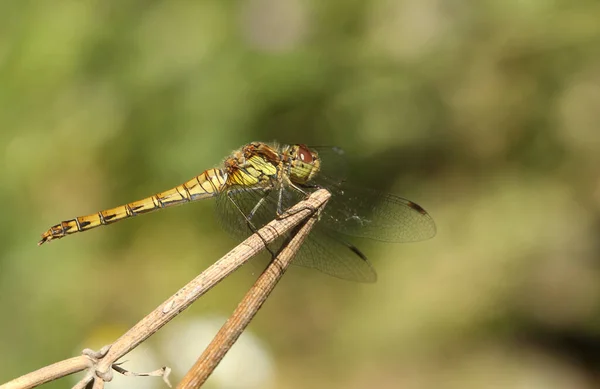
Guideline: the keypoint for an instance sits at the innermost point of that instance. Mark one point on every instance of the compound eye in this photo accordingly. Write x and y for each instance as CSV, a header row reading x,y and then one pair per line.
x,y
304,154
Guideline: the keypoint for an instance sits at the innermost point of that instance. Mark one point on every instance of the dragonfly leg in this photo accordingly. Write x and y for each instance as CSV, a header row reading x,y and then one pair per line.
x,y
279,201
281,214
258,205
288,182
248,217
299,189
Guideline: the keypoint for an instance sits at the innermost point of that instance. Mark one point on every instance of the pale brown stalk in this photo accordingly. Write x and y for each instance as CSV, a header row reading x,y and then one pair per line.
x,y
246,310
99,366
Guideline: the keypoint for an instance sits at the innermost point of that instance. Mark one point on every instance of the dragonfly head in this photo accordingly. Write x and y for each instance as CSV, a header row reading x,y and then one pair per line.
x,y
304,163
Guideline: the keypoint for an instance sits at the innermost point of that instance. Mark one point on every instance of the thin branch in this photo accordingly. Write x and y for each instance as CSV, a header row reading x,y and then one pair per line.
x,y
50,373
246,310
98,384
176,303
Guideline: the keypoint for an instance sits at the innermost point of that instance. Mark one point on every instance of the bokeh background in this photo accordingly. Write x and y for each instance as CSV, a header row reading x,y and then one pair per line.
x,y
486,113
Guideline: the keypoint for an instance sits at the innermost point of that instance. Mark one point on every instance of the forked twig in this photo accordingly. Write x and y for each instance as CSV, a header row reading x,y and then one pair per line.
x,y
100,367
245,311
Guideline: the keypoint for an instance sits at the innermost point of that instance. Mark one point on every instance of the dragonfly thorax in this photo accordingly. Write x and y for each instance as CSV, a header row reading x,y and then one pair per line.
x,y
256,164
260,164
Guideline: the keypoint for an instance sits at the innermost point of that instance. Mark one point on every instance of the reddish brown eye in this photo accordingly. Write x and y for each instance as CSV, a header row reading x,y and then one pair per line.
x,y
304,154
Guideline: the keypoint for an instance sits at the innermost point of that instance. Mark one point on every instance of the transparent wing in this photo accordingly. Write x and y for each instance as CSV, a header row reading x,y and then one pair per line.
x,y
380,216
232,205
332,255
368,213
334,166
323,249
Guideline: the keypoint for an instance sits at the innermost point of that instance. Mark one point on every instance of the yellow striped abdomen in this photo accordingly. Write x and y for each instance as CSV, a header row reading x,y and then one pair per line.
x,y
208,184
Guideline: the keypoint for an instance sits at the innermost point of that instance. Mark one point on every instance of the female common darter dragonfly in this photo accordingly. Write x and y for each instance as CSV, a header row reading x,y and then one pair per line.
x,y
260,181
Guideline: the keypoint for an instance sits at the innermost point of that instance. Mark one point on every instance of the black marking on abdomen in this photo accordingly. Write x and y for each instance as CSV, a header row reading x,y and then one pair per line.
x,y
187,194
129,211
65,227
108,218
214,187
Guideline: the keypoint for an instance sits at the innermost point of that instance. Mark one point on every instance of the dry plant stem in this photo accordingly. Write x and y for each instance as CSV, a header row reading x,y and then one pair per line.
x,y
98,384
209,278
245,311
50,373
179,301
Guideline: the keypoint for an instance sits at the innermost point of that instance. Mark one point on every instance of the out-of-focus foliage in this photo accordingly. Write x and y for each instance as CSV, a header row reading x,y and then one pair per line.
x,y
486,113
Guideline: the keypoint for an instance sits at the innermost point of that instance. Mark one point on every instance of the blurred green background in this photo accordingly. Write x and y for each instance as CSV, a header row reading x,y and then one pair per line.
x,y
486,113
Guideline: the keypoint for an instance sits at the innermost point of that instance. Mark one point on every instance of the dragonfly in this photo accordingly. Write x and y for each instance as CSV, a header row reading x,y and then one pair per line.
x,y
259,181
